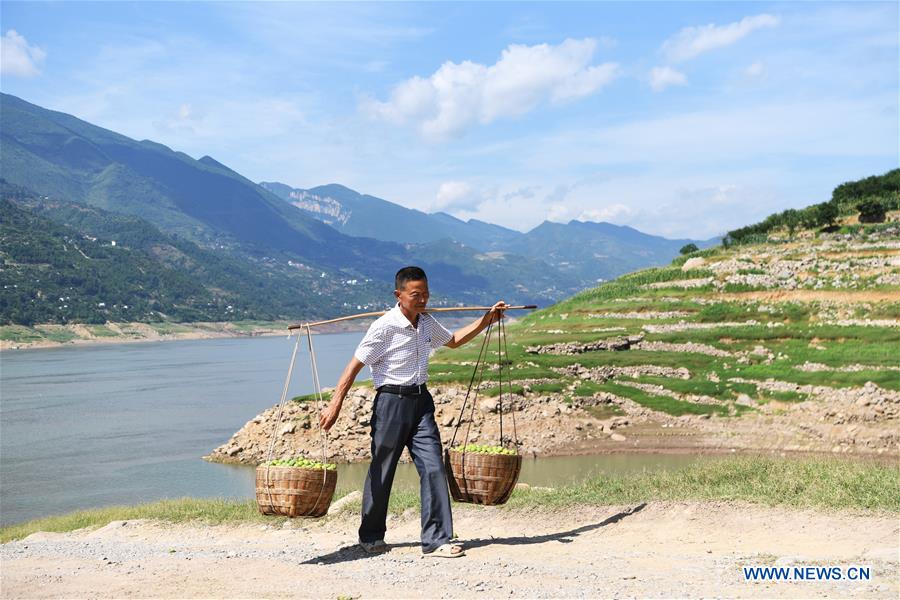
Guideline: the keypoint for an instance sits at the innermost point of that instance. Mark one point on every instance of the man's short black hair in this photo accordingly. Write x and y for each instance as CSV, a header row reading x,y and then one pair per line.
x,y
408,274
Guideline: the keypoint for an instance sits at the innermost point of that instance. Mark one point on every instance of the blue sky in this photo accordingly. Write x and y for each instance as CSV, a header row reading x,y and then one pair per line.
x,y
680,119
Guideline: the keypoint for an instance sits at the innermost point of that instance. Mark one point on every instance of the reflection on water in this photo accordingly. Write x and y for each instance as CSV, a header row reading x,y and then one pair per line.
x,y
552,471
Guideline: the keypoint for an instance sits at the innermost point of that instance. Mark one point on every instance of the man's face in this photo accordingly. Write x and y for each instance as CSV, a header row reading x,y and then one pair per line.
x,y
413,297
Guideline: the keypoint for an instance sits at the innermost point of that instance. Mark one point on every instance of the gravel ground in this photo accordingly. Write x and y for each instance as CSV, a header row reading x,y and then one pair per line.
x,y
655,550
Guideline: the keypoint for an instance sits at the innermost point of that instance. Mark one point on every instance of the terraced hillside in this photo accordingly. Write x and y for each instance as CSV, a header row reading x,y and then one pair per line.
x,y
789,345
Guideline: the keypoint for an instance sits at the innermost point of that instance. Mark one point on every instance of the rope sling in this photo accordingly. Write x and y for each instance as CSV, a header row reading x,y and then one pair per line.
x,y
268,484
484,479
502,360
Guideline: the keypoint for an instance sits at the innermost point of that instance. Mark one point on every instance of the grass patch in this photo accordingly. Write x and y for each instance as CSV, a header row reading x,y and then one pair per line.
x,y
793,331
448,372
326,397
794,312
786,396
166,328
623,287
664,404
696,386
56,333
130,330
734,288
781,372
19,334
211,511
550,388
799,483
721,390
251,325
587,388
727,311
885,310
101,331
493,392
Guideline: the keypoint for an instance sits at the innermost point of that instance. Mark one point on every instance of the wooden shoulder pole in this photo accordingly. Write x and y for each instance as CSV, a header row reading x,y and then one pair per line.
x,y
429,310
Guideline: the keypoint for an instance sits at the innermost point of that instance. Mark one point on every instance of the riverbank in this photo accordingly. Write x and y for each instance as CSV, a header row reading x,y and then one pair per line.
x,y
549,420
20,337
686,532
51,335
683,549
802,483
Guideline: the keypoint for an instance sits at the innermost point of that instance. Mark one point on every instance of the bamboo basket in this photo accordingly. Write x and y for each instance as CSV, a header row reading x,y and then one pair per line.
x,y
294,491
487,479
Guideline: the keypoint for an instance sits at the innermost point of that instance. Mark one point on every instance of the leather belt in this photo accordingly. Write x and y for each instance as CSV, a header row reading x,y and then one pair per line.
x,y
404,390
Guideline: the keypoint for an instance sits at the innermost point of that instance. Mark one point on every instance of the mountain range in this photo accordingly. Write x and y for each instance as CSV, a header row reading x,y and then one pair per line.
x,y
586,250
286,241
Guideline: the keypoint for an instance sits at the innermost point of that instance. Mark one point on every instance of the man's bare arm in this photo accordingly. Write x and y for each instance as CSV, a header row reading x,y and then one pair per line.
x,y
465,334
330,413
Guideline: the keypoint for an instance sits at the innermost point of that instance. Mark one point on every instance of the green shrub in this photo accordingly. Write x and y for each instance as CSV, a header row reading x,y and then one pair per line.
x,y
871,210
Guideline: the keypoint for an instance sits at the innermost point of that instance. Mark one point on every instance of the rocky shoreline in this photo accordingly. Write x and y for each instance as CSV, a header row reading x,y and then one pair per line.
x,y
541,422
851,420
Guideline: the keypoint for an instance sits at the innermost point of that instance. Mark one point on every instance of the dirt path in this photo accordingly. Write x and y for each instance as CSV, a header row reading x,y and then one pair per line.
x,y
654,550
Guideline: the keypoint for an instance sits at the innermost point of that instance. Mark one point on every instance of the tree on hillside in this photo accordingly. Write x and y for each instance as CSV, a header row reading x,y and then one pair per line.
x,y
827,214
871,210
876,185
883,190
687,249
792,220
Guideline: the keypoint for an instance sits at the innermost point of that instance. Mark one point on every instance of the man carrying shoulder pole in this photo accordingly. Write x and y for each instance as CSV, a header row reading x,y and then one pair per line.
x,y
396,348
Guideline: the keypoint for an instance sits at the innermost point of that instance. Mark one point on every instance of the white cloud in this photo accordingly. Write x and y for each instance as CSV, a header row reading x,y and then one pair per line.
x,y
663,77
673,204
755,70
559,193
719,195
614,212
560,213
522,193
18,57
184,120
607,42
456,196
692,41
460,95
705,211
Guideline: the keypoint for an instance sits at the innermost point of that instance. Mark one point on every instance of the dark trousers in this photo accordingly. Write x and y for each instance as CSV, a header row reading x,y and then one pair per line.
x,y
406,422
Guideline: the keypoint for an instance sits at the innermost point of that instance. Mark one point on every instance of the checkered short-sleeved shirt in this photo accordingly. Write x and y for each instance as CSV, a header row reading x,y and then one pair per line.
x,y
397,352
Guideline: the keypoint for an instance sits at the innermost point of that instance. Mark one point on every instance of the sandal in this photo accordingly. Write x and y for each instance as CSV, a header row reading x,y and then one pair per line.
x,y
376,547
447,551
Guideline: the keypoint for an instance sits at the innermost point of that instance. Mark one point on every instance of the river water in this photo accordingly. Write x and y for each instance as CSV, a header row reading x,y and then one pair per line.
x,y
92,426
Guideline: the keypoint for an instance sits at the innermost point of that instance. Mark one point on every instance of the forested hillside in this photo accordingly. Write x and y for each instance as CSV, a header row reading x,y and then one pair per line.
x,y
65,262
